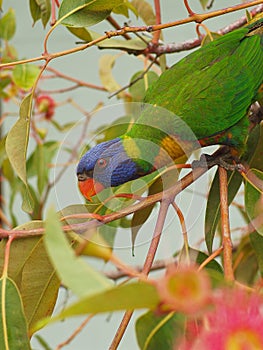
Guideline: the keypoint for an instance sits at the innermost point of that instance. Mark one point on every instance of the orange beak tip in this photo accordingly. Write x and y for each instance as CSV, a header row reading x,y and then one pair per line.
x,y
90,188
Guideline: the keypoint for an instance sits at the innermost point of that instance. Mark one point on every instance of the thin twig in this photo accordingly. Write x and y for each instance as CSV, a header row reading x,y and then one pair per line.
x,y
75,333
75,80
188,8
134,80
211,257
193,43
157,265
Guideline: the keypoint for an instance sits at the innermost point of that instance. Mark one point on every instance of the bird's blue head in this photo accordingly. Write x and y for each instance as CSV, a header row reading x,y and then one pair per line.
x,y
105,165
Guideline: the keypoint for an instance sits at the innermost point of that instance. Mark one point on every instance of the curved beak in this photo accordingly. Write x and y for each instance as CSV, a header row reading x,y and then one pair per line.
x,y
88,187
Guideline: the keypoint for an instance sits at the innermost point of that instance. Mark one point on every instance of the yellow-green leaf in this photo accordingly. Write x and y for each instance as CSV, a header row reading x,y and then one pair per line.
x,y
159,331
254,198
31,270
16,148
145,11
8,25
25,75
106,64
74,272
143,81
138,295
13,328
84,13
17,139
40,9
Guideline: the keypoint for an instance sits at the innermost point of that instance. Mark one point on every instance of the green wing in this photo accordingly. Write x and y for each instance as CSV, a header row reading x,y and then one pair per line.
x,y
212,88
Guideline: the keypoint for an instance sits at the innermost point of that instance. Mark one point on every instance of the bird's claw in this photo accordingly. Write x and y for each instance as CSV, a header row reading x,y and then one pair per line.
x,y
225,161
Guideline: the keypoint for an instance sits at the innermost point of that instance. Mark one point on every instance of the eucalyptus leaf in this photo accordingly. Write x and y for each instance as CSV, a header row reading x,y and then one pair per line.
x,y
76,274
40,9
138,295
106,64
257,243
254,200
16,147
31,270
145,11
156,332
85,13
138,89
8,25
25,75
204,3
13,327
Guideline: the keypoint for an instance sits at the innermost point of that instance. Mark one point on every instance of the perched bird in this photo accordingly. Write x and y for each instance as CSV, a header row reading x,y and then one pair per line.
x,y
205,97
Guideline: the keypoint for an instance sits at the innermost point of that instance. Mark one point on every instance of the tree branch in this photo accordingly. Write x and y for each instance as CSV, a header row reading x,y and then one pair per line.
x,y
226,235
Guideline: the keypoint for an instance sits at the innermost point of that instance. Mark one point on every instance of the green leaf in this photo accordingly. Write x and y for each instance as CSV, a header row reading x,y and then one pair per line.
x,y
117,128
77,275
84,13
16,148
256,161
13,328
17,139
131,296
35,277
25,75
39,162
40,9
200,257
253,199
256,241
35,10
204,3
8,25
138,89
4,82
28,200
156,332
245,262
210,37
123,9
42,342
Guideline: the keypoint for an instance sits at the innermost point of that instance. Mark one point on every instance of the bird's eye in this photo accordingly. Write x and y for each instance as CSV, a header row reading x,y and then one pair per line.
x,y
102,162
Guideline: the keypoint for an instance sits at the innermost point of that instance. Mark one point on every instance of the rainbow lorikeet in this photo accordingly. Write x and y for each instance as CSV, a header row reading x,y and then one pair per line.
x,y
205,97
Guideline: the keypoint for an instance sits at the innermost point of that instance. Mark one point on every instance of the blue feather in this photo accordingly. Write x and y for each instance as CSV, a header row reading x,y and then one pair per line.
x,y
119,168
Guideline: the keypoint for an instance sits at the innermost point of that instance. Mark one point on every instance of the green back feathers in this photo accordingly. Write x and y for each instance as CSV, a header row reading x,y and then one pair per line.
x,y
212,88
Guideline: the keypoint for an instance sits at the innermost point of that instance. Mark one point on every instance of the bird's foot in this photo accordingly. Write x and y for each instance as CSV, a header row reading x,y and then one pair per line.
x,y
224,160
256,113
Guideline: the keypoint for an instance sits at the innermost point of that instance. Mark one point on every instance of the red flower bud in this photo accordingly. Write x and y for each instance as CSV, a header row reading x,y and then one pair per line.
x,y
46,105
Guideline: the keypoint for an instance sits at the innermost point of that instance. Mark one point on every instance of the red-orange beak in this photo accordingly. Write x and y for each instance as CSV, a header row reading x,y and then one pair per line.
x,y
89,187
